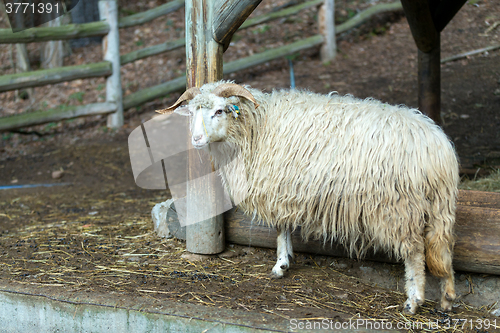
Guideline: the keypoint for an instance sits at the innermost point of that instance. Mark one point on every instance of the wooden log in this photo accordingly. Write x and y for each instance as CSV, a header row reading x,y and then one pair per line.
x,y
42,117
326,17
54,75
152,50
108,10
203,65
477,231
151,14
228,17
44,34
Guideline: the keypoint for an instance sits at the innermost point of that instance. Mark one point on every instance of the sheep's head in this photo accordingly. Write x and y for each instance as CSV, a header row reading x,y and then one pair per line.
x,y
211,110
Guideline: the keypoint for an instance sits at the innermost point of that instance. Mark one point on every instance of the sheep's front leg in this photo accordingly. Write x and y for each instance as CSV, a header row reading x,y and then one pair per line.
x,y
284,252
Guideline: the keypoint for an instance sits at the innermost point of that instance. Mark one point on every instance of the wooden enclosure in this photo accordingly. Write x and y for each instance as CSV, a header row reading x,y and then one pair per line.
x,y
106,69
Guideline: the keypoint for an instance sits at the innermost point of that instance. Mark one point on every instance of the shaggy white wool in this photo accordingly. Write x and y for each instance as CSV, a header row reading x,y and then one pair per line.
x,y
360,172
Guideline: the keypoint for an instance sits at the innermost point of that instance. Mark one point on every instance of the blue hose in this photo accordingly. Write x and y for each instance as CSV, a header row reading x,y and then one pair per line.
x,y
292,75
8,187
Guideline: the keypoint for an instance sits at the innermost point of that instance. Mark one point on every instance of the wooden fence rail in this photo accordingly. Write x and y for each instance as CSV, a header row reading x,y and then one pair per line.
x,y
54,75
102,28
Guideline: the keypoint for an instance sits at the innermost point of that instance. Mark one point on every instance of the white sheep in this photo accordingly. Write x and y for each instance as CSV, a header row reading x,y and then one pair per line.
x,y
359,172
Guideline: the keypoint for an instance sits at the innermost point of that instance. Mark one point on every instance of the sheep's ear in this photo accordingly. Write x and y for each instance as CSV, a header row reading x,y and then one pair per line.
x,y
183,110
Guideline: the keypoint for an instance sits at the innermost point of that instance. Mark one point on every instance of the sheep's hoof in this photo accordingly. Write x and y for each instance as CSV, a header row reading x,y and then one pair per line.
x,y
410,307
275,275
447,300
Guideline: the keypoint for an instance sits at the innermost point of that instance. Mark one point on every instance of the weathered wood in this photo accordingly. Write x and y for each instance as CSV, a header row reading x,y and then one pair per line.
x,y
151,14
466,54
445,10
479,199
42,117
148,94
268,55
279,14
108,10
429,82
477,231
178,84
203,64
228,17
52,53
44,34
152,50
350,24
419,16
54,75
326,17
366,14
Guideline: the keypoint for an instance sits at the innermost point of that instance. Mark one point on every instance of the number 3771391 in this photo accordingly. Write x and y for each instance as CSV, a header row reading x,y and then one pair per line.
x,y
27,7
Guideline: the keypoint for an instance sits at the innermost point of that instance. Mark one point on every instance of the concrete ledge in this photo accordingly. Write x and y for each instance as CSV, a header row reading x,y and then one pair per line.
x,y
29,308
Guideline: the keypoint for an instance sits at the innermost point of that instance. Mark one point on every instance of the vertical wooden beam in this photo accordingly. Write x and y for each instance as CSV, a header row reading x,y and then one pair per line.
x,y
203,64
108,10
429,82
326,17
427,38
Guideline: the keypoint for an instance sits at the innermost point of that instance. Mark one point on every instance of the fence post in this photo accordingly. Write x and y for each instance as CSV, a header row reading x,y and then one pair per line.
x,y
203,65
326,17
108,10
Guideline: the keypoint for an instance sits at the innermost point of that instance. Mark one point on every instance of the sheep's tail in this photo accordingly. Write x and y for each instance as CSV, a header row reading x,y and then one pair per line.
x,y
439,236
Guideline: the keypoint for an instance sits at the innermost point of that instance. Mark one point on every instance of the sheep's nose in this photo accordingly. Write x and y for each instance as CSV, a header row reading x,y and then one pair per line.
x,y
197,138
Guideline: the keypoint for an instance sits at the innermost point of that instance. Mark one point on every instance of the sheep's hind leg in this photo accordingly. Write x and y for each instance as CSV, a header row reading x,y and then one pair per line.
x,y
415,280
284,252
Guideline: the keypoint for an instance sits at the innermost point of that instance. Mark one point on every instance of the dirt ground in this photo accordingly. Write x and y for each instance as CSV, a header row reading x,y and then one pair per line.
x,y
95,233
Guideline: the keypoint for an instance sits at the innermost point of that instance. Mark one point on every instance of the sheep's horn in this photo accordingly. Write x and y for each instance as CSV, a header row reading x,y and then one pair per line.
x,y
186,96
233,89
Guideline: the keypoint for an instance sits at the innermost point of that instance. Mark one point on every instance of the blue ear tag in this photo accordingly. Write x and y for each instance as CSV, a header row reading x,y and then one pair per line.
x,y
235,110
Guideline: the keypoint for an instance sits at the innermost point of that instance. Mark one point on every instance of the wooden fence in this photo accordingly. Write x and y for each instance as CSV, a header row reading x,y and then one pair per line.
x,y
108,28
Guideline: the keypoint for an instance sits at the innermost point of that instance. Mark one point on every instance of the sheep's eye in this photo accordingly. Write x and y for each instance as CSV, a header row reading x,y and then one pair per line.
x,y
218,112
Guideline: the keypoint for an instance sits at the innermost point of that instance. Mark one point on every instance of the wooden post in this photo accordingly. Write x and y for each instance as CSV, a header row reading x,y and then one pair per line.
x,y
427,19
108,10
203,64
429,82
326,17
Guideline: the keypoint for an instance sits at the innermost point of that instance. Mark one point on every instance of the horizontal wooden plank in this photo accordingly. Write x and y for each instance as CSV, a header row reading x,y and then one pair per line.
x,y
152,50
366,14
47,116
275,53
178,84
54,75
43,34
151,93
149,15
279,14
